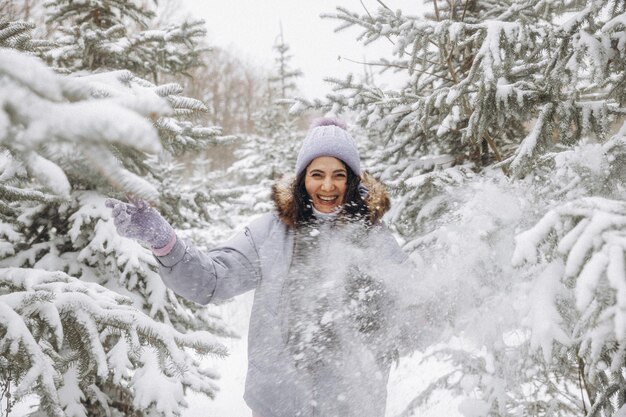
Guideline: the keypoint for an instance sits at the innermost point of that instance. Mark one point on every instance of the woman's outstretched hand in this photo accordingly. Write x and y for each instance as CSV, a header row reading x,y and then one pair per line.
x,y
142,222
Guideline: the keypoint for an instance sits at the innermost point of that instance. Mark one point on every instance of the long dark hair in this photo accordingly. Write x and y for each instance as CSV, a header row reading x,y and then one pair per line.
x,y
353,208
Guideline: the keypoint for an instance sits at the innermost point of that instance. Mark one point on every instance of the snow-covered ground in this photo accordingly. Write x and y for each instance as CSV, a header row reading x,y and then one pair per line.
x,y
406,380
229,401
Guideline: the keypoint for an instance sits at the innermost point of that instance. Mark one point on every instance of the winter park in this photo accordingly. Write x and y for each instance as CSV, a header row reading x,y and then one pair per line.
x,y
372,208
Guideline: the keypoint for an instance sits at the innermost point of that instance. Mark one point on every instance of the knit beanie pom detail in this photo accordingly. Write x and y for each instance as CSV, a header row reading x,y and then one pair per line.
x,y
328,121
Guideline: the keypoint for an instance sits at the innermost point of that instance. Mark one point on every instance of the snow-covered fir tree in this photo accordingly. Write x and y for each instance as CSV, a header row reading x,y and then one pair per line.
x,y
525,101
113,35
476,77
275,122
88,326
271,154
17,35
284,79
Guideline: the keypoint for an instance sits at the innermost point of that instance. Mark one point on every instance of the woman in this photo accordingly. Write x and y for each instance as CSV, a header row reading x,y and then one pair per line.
x,y
321,336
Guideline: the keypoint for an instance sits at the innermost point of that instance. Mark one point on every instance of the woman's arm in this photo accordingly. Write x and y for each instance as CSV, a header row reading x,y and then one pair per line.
x,y
231,269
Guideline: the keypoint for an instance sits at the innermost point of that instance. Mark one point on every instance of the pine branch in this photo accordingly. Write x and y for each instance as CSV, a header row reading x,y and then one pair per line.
x,y
398,66
531,143
602,399
583,383
6,211
11,193
440,382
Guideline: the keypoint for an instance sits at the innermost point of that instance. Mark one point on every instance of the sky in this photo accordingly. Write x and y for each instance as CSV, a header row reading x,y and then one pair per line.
x,y
250,28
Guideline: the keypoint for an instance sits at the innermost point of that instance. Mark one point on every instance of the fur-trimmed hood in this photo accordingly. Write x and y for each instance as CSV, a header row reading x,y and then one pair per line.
x,y
377,199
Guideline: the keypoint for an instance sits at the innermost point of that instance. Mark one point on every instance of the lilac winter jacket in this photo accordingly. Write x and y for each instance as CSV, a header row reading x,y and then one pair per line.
x,y
260,258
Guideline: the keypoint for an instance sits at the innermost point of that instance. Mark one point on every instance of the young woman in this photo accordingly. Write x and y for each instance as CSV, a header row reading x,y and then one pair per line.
x,y
323,326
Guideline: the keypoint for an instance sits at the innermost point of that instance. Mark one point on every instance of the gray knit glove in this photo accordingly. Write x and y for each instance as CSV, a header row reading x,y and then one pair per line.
x,y
142,222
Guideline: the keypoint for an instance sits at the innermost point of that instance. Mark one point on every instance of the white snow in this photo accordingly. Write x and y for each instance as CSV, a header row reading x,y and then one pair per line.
x,y
31,72
70,394
119,361
50,175
405,380
589,278
473,407
153,389
511,268
616,274
93,122
544,320
232,370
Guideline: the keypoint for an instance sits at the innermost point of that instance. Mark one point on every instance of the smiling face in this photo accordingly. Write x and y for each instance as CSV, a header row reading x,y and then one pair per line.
x,y
325,182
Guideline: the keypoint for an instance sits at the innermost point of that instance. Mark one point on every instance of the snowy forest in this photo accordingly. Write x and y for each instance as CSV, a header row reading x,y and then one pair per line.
x,y
503,148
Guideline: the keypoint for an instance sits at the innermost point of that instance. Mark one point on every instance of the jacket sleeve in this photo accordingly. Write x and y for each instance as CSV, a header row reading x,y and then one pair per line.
x,y
221,273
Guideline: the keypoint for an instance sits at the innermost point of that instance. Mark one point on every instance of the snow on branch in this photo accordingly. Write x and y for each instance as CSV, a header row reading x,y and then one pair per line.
x,y
49,118
17,35
543,317
43,310
531,143
588,238
10,193
30,73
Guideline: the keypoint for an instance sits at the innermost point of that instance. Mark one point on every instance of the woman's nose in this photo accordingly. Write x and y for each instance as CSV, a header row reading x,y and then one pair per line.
x,y
327,185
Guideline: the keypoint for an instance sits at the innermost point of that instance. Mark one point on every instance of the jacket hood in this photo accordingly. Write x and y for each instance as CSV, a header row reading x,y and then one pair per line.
x,y
377,200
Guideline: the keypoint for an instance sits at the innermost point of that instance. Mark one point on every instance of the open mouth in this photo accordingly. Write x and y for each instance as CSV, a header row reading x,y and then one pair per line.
x,y
329,200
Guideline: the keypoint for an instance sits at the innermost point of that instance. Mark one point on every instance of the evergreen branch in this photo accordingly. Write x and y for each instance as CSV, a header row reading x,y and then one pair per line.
x,y
368,13
380,64
617,110
168,89
384,5
464,10
366,10
496,151
526,69
15,34
102,161
603,398
7,210
19,194
37,366
583,383
451,69
531,142
514,9
436,6
6,391
187,103
409,410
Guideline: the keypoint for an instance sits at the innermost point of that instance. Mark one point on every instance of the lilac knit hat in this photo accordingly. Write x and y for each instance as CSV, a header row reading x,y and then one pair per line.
x,y
328,137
